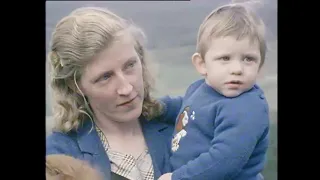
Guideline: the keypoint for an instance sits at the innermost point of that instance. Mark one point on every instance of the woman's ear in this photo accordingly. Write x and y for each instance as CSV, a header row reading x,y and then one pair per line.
x,y
199,64
73,87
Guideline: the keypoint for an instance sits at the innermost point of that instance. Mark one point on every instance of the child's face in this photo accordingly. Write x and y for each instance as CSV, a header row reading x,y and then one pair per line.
x,y
232,66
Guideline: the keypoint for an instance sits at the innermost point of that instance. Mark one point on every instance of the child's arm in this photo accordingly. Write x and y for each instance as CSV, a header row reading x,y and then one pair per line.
x,y
173,104
172,107
238,126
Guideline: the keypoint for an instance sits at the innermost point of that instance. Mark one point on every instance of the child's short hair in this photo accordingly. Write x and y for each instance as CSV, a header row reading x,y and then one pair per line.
x,y
231,20
64,167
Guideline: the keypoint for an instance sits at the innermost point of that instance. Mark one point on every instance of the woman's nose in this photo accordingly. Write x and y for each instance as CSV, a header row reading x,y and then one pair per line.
x,y
125,88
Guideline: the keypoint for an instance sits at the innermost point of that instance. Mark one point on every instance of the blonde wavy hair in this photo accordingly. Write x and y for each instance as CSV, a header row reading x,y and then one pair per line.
x,y
76,39
236,19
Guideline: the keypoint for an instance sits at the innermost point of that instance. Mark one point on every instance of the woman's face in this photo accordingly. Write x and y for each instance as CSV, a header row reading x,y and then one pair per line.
x,y
113,83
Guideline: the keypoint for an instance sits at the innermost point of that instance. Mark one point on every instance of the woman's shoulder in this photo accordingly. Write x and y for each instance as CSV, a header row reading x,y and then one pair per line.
x,y
157,123
62,143
154,125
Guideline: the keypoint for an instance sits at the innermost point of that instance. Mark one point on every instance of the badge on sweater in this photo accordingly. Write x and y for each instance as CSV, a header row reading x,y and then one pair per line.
x,y
180,128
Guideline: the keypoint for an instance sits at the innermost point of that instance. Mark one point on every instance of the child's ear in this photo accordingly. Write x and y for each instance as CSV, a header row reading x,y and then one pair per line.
x,y
199,64
261,72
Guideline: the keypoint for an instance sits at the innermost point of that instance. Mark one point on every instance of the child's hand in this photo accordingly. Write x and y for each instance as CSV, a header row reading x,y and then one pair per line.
x,y
166,176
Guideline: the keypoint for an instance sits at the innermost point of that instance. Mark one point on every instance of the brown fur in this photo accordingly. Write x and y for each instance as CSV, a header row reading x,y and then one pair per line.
x,y
62,167
179,126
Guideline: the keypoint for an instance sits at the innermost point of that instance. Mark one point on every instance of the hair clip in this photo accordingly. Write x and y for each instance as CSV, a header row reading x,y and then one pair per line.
x,y
55,58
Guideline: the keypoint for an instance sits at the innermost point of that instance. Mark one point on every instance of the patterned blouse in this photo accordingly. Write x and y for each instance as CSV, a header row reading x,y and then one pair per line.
x,y
126,165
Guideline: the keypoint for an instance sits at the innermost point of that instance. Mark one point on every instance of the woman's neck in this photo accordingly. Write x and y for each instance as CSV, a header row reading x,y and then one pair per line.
x,y
120,129
124,137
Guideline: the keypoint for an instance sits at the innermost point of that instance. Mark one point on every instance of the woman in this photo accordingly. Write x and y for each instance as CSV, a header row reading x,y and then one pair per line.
x,y
102,105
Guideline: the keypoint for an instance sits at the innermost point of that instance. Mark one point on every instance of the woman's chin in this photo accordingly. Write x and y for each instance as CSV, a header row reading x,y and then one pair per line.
x,y
131,115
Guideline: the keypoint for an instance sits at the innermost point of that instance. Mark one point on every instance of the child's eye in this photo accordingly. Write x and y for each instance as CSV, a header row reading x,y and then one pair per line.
x,y
225,58
249,59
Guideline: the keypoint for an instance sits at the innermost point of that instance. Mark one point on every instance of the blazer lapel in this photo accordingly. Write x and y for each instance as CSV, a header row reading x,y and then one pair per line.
x,y
156,143
94,152
92,148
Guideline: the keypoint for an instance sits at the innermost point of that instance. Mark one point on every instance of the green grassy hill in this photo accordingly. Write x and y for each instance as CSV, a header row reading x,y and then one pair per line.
x,y
271,170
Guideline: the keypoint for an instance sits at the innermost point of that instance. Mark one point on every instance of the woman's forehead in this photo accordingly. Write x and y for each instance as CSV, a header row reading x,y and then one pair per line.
x,y
111,58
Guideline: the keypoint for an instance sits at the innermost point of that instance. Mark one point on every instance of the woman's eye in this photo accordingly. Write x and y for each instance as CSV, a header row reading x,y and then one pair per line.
x,y
131,64
105,76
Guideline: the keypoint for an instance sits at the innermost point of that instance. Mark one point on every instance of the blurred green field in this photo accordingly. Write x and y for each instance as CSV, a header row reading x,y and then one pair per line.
x,y
271,170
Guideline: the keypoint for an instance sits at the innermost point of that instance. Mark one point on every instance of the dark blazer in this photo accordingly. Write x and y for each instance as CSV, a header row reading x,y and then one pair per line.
x,y
86,145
